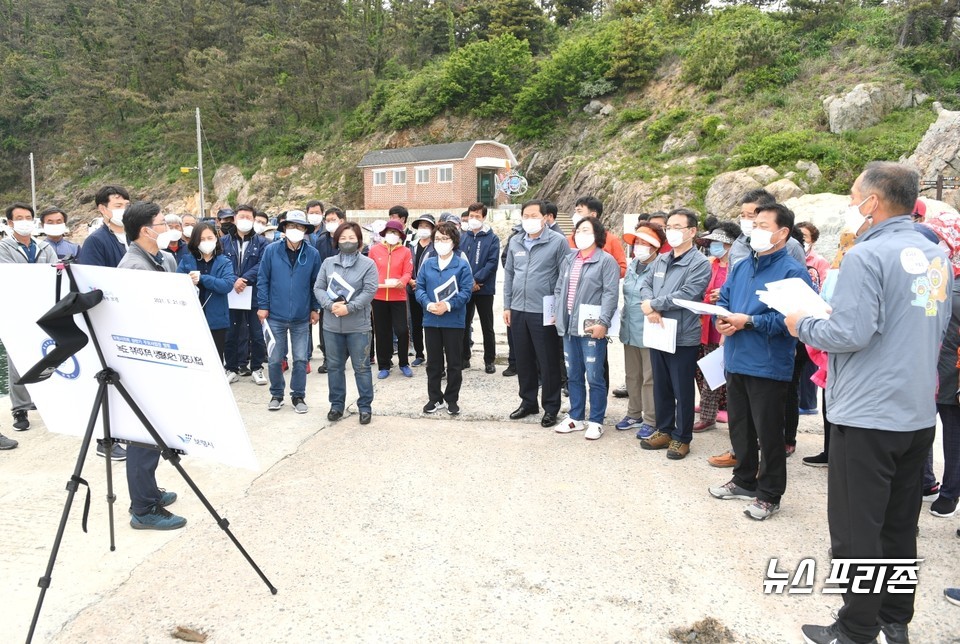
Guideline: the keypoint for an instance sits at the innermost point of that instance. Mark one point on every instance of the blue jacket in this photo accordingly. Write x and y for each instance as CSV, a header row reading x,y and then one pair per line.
x,y
768,350
249,268
430,277
102,248
482,249
285,289
324,245
217,283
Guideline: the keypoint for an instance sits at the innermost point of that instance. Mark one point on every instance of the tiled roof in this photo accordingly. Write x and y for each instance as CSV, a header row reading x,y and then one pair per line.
x,y
423,154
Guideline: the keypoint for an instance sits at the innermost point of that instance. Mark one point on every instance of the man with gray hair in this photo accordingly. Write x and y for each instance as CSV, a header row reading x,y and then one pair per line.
x,y
893,292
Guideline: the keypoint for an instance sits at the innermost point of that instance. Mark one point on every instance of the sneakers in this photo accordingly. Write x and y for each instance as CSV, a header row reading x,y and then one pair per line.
x,y
952,595
243,371
275,404
489,368
453,409
820,460
569,425
628,422
761,510
433,407
824,634
657,440
677,450
20,421
646,431
232,377
418,361
702,426
157,518
323,367
731,490
620,392
509,371
931,493
892,633
334,415
943,507
383,373
594,431
298,405
727,459
166,498
117,454
406,371
7,443
259,378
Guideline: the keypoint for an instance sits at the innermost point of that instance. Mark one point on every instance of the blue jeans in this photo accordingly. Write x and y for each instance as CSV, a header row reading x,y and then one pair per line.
x,y
299,344
338,347
585,356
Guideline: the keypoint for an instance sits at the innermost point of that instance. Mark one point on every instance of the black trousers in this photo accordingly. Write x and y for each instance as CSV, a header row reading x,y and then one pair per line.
x,y
791,409
755,413
536,348
874,494
416,326
674,382
219,341
483,305
443,343
389,319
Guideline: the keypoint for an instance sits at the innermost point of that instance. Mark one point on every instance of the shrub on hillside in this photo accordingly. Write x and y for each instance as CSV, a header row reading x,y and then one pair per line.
x,y
661,128
638,54
483,77
413,100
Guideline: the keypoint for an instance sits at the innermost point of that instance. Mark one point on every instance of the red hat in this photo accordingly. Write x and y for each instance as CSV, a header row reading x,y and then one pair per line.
x,y
393,224
920,209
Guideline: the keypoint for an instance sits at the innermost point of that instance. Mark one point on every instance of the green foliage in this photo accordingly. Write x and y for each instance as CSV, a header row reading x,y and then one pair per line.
x,y
414,100
737,39
523,19
661,128
638,54
484,77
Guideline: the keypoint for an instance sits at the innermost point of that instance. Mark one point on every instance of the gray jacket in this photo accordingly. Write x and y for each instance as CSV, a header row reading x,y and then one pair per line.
x,y
12,253
632,317
741,250
531,275
599,284
362,276
140,260
685,277
891,308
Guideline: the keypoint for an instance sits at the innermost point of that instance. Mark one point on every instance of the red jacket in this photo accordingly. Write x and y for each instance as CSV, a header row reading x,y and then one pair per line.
x,y
392,264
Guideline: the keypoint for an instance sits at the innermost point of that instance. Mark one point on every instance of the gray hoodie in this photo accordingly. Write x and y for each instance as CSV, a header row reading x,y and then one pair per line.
x,y
891,307
530,275
358,271
599,284
685,277
12,253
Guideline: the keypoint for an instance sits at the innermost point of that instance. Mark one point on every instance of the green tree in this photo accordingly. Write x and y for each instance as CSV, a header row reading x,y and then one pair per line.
x,y
636,58
522,19
484,77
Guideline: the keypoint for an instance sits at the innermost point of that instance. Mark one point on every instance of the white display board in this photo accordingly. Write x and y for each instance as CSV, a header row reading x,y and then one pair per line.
x,y
153,333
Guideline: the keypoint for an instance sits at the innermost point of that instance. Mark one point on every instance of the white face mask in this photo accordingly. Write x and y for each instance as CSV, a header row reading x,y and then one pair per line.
x,y
392,238
532,226
642,252
424,233
760,240
465,226
244,225
167,237
331,226
583,240
475,224
853,219
294,235
258,228
116,216
187,231
675,238
207,247
576,219
806,248
55,230
23,227
746,226
443,248
315,219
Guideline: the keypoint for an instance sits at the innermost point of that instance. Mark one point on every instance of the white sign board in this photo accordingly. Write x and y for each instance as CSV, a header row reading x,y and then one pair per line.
x,y
152,332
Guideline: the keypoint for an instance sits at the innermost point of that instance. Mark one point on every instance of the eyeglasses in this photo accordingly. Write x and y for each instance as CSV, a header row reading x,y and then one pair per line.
x,y
439,238
162,223
678,227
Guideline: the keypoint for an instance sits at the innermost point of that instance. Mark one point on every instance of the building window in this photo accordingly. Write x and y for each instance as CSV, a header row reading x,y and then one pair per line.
x,y
423,175
445,174
399,177
379,177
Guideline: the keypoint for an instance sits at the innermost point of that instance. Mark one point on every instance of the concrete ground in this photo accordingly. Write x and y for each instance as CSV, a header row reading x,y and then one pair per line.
x,y
430,529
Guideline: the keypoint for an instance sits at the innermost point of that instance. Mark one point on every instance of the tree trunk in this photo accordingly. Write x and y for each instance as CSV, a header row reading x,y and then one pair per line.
x,y
907,29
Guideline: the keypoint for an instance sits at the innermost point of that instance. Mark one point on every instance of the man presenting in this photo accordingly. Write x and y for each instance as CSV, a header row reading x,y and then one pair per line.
x,y
891,307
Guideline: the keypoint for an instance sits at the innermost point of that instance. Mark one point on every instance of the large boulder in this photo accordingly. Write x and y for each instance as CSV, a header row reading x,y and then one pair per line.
x,y
725,191
784,189
811,170
825,211
867,104
939,153
227,179
678,144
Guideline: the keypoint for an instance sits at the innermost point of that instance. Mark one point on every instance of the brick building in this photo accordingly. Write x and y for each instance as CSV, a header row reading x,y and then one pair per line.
x,y
448,176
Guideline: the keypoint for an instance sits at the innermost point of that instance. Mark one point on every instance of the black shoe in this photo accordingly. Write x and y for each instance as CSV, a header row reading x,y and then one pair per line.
x,y
118,453
548,420
943,507
20,421
509,371
334,415
894,633
522,412
466,364
824,634
820,460
433,407
453,409
620,392
489,368
365,417
244,371
322,368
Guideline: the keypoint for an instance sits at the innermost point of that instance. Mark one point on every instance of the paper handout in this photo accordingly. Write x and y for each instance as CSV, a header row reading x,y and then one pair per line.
x,y
712,366
701,307
338,290
549,310
268,338
794,294
447,290
661,337
242,301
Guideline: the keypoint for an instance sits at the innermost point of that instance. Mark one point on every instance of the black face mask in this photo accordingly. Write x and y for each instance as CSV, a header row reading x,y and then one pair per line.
x,y
228,228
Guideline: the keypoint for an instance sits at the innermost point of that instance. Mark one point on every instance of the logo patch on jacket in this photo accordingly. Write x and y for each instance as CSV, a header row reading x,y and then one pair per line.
x,y
931,287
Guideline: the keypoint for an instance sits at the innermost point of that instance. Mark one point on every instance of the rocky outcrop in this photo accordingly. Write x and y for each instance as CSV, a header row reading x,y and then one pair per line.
x,y
867,104
725,191
679,144
784,189
939,153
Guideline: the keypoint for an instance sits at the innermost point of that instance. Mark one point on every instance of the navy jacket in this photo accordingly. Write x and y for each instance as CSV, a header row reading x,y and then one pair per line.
x,y
102,248
768,350
249,268
482,249
217,284
430,277
325,247
285,289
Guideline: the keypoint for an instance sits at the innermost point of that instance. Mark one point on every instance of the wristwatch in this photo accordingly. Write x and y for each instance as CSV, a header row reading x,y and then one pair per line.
x,y
749,323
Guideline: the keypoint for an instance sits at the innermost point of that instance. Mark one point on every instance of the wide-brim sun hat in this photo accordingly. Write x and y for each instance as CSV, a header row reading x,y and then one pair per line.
x,y
296,217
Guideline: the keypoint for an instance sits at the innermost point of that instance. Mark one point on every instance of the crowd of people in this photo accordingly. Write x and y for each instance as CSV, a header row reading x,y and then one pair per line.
x,y
402,289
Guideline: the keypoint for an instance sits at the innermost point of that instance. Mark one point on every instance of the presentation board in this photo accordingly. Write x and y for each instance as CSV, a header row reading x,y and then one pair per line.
x,y
153,333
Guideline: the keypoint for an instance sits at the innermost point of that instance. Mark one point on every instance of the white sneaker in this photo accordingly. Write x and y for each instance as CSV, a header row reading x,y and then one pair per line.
x,y
594,431
568,425
232,377
259,378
